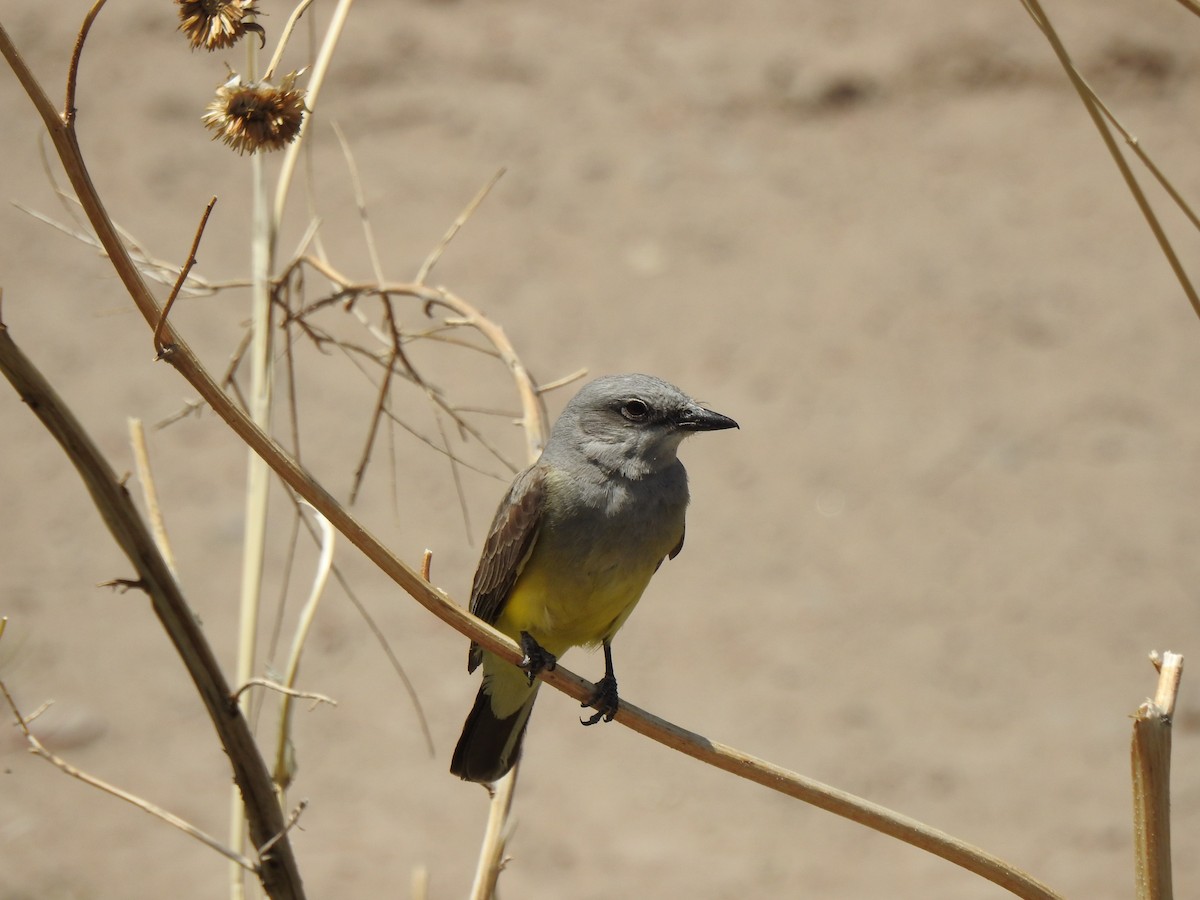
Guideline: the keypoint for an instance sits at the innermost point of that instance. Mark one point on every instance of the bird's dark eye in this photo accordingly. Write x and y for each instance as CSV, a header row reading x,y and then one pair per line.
x,y
635,410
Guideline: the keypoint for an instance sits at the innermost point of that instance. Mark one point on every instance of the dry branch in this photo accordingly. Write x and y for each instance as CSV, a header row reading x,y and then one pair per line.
x,y
179,355
37,748
1093,107
278,871
1150,755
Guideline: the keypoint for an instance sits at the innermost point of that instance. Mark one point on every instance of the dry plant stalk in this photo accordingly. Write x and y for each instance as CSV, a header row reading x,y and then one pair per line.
x,y
37,748
175,351
277,870
1097,112
1150,755
141,458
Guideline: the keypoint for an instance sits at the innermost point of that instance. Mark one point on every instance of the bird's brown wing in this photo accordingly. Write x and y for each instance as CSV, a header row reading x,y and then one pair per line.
x,y
513,533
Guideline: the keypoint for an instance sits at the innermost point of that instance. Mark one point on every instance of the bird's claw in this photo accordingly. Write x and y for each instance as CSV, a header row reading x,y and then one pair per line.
x,y
537,659
604,700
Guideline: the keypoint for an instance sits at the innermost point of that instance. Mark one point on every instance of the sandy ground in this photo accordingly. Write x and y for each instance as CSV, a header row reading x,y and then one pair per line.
x,y
928,569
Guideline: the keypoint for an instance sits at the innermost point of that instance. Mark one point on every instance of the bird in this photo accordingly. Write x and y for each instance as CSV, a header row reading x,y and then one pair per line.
x,y
573,545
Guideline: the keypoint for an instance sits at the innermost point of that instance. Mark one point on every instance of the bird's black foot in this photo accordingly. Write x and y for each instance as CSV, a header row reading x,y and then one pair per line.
x,y
537,659
604,700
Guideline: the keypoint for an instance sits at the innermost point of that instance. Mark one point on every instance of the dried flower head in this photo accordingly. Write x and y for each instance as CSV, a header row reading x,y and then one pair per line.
x,y
216,24
251,117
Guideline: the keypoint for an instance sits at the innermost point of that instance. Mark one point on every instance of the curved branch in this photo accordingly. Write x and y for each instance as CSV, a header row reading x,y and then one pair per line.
x,y
277,869
179,355
279,874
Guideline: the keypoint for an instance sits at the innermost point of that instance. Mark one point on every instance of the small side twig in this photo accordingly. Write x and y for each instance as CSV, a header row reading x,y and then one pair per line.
x,y
160,328
279,875
37,748
436,254
141,461
68,112
1038,14
267,683
293,818
283,766
288,28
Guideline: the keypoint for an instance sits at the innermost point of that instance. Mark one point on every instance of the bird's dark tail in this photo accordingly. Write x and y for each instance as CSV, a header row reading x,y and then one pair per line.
x,y
490,745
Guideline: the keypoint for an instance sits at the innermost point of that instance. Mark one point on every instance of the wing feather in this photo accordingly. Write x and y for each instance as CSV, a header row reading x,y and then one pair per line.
x,y
511,539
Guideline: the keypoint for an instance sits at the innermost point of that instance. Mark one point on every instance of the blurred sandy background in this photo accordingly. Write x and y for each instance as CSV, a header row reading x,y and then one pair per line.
x,y
884,237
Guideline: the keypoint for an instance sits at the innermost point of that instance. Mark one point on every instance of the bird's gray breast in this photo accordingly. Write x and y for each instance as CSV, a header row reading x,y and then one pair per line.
x,y
613,522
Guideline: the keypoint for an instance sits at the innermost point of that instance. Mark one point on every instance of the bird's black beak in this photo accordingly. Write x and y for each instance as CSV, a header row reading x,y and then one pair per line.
x,y
697,418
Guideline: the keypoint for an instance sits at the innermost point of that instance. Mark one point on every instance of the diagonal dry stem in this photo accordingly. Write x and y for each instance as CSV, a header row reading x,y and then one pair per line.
x,y
183,274
37,748
141,458
721,756
279,875
1034,8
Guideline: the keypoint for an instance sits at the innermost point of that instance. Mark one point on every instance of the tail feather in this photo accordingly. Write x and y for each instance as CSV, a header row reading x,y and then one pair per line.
x,y
490,745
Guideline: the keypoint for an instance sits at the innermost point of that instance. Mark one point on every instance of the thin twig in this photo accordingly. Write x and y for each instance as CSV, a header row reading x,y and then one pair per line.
x,y
320,69
534,413
1034,8
190,407
360,202
460,619
141,461
317,699
68,112
376,632
293,818
160,328
284,37
279,875
434,255
547,386
37,748
283,769
1136,146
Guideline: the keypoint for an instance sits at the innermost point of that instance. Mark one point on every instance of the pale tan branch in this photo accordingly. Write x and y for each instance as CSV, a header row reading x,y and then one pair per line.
x,y
284,37
1034,8
270,685
495,837
283,769
38,749
141,460
434,255
279,875
181,357
1150,756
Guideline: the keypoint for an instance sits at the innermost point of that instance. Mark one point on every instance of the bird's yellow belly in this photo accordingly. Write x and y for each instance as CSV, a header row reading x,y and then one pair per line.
x,y
571,609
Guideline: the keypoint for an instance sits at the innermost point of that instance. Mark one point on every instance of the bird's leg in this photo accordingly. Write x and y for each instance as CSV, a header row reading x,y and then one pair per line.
x,y
537,658
604,700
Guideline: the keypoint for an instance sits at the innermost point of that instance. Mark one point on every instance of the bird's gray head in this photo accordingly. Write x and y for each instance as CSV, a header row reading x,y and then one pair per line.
x,y
630,425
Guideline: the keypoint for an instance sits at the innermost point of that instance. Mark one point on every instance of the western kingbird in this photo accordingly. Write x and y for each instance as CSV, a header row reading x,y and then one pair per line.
x,y
572,547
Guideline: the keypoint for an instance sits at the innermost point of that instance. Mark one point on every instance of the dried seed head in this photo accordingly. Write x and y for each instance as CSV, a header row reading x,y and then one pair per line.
x,y
251,117
217,24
